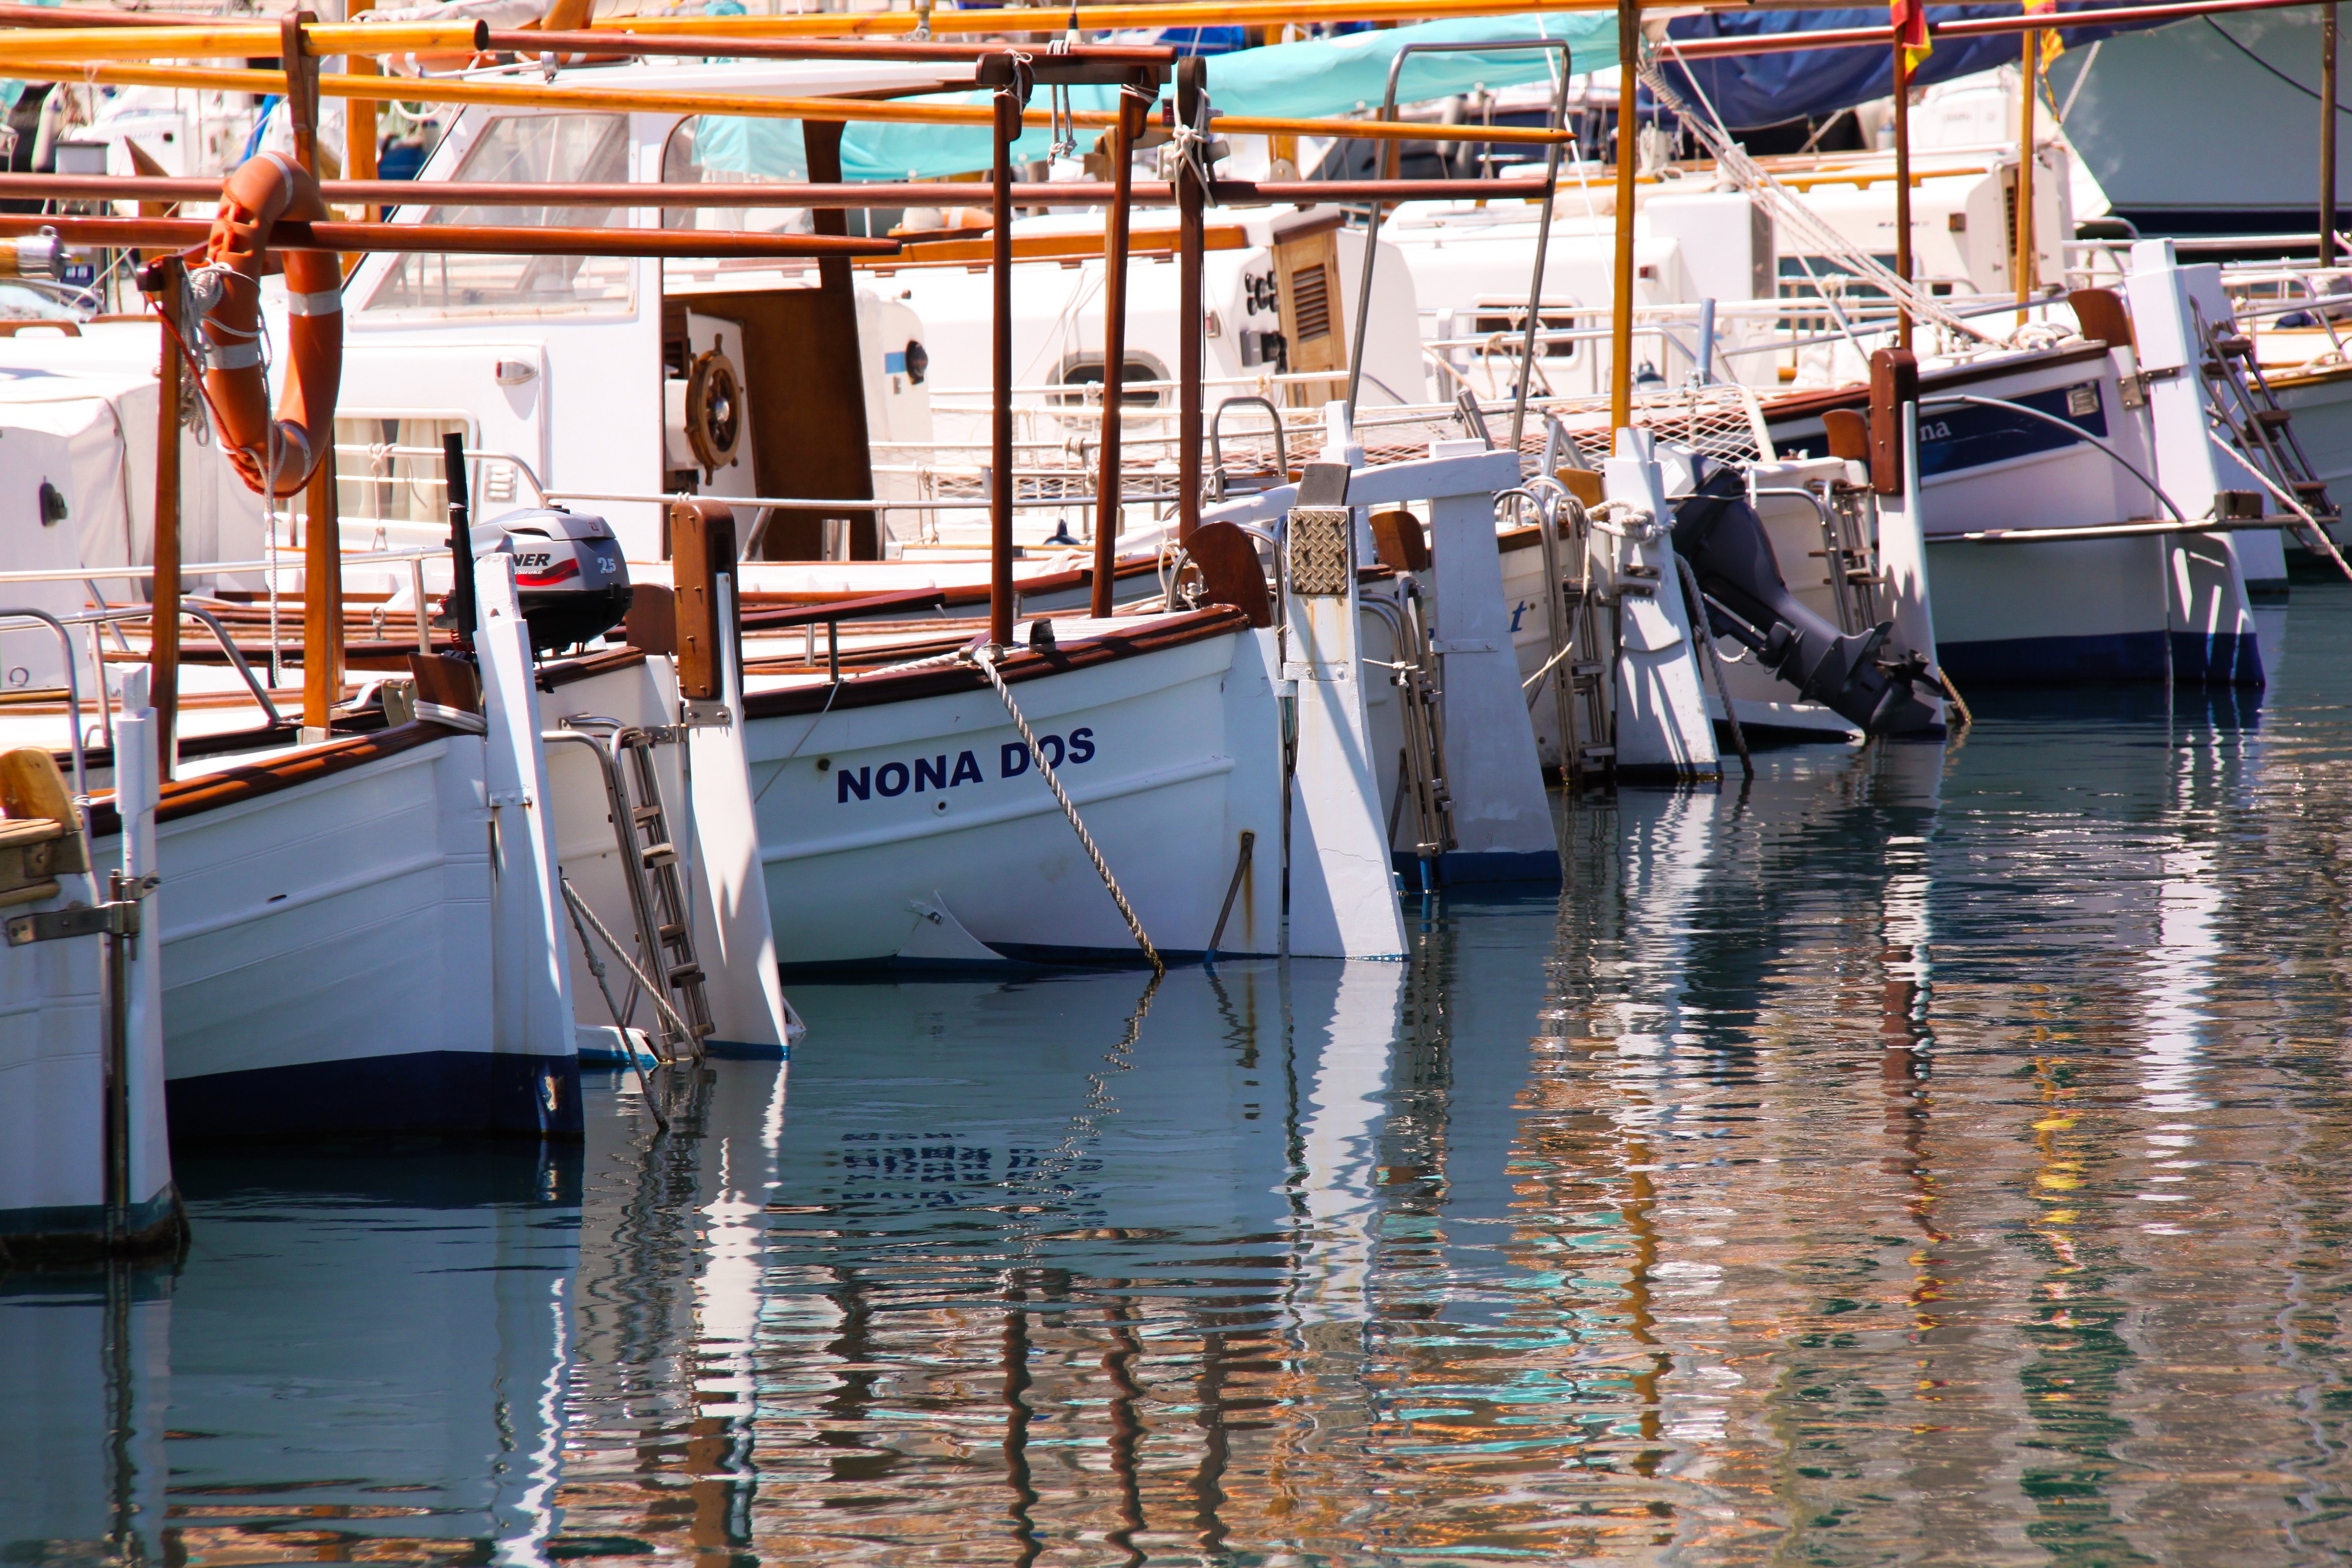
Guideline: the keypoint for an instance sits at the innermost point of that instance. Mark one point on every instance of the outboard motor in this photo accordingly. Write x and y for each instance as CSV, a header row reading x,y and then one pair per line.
x,y
570,575
1718,532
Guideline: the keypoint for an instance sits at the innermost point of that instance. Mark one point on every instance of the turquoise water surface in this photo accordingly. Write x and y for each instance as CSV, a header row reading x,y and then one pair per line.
x,y
1929,1155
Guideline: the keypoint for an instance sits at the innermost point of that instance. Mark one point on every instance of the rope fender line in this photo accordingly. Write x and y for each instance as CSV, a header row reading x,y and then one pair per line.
x,y
653,992
1061,795
620,1025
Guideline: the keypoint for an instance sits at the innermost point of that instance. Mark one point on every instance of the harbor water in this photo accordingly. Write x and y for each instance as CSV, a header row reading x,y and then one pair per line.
x,y
1923,1154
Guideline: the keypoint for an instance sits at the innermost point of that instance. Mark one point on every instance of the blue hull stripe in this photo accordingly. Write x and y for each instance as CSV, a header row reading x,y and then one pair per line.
x,y
1457,868
66,1224
2193,660
717,1050
446,1092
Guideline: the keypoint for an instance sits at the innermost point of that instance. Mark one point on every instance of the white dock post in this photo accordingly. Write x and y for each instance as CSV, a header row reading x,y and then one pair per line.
x,y
1903,558
1662,721
1502,821
2208,619
531,979
1343,899
137,786
734,938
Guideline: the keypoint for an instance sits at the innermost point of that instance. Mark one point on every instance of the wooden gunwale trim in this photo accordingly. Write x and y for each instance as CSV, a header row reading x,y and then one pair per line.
x,y
184,798
2301,376
589,666
756,618
869,658
878,690
773,611
1799,405
870,635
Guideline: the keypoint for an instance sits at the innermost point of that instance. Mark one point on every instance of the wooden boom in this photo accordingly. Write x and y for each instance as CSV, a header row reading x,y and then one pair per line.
x,y
1090,19
531,42
879,195
240,41
655,100
449,239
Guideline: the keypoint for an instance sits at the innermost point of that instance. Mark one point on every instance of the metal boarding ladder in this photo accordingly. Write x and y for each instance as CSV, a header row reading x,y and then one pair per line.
x,y
1849,547
1421,764
649,867
2262,430
1847,553
1579,613
1572,613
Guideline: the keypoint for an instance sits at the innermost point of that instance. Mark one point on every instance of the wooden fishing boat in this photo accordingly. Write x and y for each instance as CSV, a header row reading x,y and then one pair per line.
x,y
367,918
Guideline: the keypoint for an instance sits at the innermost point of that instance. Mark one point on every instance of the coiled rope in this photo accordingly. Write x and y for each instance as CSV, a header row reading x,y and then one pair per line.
x,y
1045,771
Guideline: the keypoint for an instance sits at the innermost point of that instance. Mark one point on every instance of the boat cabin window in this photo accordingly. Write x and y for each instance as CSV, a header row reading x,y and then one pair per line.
x,y
525,149
732,149
1087,371
1503,327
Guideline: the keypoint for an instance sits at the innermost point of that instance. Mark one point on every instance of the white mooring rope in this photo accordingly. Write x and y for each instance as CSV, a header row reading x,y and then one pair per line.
x,y
653,992
1045,771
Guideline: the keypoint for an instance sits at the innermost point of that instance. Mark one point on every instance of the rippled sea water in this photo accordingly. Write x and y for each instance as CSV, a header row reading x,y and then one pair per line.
x,y
1923,1156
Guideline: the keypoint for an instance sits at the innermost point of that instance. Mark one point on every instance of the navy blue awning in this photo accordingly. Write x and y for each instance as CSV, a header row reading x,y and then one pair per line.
x,y
1751,91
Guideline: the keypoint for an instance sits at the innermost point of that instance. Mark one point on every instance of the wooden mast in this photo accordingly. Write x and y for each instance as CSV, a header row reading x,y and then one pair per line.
x,y
1192,80
1903,163
1007,105
359,143
1107,480
1620,317
322,545
2026,265
2328,135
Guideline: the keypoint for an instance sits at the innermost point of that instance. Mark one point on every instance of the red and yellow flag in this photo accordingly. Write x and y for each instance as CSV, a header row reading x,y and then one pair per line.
x,y
1910,20
2052,45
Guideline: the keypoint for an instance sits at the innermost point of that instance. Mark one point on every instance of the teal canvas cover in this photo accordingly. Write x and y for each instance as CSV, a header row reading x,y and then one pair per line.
x,y
1314,79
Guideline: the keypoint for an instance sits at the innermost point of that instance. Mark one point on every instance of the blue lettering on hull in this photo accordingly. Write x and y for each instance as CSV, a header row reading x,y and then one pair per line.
x,y
937,773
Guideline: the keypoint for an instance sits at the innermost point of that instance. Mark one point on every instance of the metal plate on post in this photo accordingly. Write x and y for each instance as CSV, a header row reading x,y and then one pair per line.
x,y
1322,550
121,919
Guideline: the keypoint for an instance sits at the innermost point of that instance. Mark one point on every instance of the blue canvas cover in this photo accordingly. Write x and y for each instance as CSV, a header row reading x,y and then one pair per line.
x,y
1321,78
1749,91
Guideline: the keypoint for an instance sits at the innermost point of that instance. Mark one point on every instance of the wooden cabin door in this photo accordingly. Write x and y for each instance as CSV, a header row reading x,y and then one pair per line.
x,y
1314,335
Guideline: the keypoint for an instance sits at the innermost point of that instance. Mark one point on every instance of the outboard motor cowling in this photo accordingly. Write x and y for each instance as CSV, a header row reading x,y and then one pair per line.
x,y
1718,532
570,575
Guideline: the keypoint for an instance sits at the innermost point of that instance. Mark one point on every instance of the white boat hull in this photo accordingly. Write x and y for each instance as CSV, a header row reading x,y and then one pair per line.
x,y
916,833
2061,612
328,961
2208,124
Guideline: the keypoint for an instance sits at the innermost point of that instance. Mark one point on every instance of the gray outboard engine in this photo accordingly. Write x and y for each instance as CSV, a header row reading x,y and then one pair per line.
x,y
1723,539
570,574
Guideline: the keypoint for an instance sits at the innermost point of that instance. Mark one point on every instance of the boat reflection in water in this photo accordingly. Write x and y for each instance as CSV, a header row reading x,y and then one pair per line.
x,y
1923,1153
361,1356
85,1379
953,1294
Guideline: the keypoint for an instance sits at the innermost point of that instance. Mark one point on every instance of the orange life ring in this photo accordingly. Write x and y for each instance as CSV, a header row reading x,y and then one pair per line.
x,y
273,455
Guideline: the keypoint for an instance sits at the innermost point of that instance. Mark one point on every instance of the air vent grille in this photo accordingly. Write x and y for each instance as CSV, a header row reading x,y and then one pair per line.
x,y
1310,301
